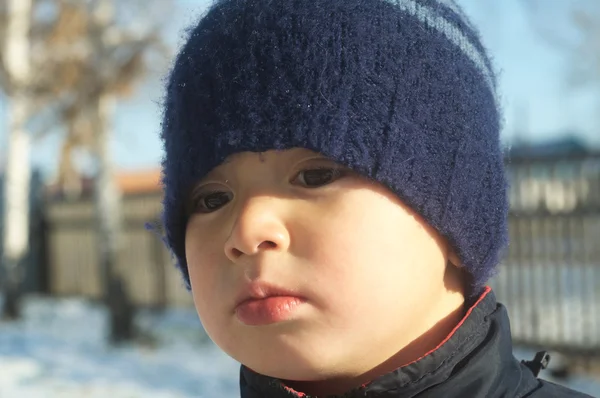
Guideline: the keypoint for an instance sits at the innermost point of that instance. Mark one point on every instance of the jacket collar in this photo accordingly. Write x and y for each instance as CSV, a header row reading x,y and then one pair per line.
x,y
475,360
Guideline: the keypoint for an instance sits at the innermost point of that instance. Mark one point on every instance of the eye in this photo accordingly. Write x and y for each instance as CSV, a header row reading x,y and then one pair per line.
x,y
208,202
316,177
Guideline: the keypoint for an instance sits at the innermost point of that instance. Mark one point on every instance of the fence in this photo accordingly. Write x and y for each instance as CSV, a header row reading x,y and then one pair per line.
x,y
550,279
144,263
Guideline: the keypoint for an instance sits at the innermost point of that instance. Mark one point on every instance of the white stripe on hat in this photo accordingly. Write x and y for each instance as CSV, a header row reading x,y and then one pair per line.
x,y
452,33
451,4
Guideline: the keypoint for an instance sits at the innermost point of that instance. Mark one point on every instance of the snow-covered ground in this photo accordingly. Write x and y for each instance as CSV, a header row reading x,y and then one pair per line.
x,y
59,350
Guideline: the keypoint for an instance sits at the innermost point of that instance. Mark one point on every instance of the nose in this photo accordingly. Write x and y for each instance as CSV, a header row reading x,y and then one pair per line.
x,y
257,228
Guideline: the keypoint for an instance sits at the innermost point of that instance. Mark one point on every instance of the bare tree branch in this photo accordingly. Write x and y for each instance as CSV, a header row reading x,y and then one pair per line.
x,y
578,36
4,78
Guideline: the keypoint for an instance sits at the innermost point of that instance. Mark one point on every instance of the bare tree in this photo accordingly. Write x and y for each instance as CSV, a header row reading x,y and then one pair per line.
x,y
118,61
15,78
85,57
574,29
25,61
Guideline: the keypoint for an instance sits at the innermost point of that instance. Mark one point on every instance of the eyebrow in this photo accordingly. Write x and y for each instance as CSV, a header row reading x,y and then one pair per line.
x,y
228,159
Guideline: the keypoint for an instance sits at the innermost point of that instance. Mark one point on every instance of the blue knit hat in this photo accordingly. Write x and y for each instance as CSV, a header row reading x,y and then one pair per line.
x,y
400,91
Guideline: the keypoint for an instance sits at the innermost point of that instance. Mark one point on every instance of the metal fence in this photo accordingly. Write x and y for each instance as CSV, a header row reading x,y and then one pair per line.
x,y
550,279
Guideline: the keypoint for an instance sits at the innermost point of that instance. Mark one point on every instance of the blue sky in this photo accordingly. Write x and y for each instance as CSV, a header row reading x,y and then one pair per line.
x,y
536,102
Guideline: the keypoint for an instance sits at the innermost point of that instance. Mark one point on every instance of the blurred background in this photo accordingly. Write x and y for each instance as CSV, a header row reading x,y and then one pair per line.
x,y
90,302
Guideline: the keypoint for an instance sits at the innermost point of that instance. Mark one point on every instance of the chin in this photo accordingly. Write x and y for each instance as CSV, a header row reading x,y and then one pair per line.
x,y
288,370
288,364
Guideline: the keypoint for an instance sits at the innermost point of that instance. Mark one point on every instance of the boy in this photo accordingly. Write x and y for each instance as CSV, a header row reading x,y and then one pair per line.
x,y
336,201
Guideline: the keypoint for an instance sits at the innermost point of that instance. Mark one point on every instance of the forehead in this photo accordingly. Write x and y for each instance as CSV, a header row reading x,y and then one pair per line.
x,y
274,156
240,161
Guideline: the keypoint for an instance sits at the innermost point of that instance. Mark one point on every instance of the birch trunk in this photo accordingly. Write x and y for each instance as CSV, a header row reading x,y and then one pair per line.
x,y
108,211
106,193
15,241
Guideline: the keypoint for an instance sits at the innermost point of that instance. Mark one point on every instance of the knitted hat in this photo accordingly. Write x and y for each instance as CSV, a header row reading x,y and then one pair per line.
x,y
401,91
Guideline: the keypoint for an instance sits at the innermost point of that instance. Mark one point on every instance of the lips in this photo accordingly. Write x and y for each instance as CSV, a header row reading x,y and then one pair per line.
x,y
261,290
263,304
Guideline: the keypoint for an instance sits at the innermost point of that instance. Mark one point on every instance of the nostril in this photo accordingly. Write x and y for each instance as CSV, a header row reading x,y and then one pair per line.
x,y
236,252
267,244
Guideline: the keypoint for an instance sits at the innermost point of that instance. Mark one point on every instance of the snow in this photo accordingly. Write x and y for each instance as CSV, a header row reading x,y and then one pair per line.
x,y
59,349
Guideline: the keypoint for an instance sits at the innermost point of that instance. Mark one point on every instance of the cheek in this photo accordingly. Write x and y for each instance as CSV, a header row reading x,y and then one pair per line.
x,y
204,243
209,290
375,253
349,250
201,255
205,259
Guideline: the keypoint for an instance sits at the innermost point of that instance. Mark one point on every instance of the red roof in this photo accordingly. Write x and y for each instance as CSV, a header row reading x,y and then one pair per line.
x,y
142,181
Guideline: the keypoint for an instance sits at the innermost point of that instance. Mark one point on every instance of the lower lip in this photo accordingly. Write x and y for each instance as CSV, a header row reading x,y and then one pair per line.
x,y
268,310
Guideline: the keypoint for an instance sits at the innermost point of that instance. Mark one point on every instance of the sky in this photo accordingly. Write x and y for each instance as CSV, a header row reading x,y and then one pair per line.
x,y
537,104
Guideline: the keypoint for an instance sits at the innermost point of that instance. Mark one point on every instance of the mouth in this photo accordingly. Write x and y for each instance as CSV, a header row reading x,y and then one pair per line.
x,y
263,304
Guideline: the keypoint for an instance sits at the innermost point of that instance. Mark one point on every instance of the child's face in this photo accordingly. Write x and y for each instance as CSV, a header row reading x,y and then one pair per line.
x,y
370,275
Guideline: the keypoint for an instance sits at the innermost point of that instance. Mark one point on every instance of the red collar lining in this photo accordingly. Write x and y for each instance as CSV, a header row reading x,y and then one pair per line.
x,y
486,291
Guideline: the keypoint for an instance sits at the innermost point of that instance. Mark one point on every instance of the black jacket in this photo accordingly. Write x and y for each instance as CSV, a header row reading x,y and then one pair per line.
x,y
475,362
